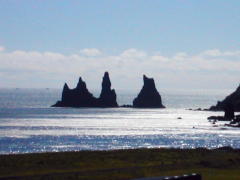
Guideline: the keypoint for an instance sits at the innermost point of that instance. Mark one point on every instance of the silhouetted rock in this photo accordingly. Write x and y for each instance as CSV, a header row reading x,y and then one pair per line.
x,y
235,122
228,111
148,96
217,118
126,106
233,99
108,96
228,116
77,97
81,97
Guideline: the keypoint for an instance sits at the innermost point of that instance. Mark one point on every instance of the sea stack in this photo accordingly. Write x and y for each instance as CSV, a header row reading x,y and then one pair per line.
x,y
148,97
232,100
108,96
77,97
81,97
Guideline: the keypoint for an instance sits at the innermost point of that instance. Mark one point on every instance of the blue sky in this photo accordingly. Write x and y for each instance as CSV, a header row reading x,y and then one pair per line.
x,y
171,26
112,28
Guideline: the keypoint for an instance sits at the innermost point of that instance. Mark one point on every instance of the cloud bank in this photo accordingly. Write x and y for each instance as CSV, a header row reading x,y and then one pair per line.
x,y
209,69
90,52
2,48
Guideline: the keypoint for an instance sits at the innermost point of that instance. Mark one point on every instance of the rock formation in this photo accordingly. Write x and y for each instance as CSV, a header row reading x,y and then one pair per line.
x,y
108,96
229,111
231,100
77,97
81,97
148,96
228,114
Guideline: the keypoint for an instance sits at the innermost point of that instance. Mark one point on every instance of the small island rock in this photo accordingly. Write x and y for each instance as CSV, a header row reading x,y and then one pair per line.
x,y
148,96
77,97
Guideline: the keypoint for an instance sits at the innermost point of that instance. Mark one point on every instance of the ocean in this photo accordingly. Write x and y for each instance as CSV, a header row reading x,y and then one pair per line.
x,y
28,124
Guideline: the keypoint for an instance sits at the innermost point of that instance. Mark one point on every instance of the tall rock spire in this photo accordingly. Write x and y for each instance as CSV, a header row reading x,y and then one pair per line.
x,y
81,85
108,96
106,83
65,92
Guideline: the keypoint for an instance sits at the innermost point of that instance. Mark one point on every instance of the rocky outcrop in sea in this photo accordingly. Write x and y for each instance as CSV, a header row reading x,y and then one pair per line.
x,y
108,97
148,97
81,97
77,97
232,101
229,105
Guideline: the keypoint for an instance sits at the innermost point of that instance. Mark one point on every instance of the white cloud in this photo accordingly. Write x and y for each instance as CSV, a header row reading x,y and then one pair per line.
x,y
217,52
125,69
2,48
212,52
133,53
90,52
159,58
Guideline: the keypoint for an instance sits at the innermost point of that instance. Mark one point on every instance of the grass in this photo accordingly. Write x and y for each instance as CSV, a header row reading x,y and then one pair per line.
x,y
219,164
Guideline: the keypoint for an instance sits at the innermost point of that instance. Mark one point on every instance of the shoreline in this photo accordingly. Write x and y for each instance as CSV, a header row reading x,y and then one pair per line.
x,y
225,148
220,163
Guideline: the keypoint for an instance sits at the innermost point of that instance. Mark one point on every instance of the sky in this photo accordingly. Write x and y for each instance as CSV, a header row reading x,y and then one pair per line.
x,y
182,44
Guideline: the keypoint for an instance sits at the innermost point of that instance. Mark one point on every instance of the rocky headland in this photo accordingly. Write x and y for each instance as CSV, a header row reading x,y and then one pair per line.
x,y
148,97
231,100
229,105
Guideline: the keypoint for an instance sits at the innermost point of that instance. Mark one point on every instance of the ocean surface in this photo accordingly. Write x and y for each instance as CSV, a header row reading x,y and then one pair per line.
x,y
28,123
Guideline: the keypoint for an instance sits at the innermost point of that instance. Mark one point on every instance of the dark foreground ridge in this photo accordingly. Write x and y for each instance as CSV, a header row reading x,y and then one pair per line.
x,y
231,101
81,97
148,97
216,164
